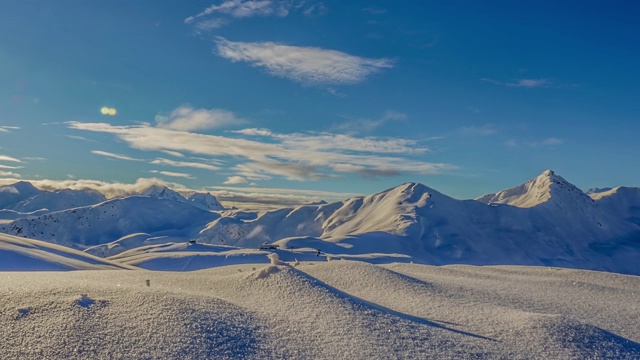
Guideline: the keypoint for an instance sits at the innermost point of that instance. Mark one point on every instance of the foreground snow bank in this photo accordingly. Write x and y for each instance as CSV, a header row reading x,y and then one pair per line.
x,y
20,254
337,309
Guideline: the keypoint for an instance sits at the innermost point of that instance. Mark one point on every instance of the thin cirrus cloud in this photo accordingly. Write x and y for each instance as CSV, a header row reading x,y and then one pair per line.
x,y
114,156
186,118
173,174
548,142
234,180
368,125
306,65
290,156
9,158
7,129
327,141
520,83
243,9
218,15
161,161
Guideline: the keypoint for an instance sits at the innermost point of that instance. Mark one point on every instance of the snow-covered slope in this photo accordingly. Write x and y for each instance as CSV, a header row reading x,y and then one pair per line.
x,y
114,219
19,254
330,310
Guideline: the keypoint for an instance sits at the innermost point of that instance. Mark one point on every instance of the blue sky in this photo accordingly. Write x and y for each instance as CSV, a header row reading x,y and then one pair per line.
x,y
319,97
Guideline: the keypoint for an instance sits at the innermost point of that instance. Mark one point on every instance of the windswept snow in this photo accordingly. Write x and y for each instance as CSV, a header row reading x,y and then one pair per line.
x,y
18,254
337,309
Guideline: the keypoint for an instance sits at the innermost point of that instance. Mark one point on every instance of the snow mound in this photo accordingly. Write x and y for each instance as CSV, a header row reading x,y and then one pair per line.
x,y
19,254
321,311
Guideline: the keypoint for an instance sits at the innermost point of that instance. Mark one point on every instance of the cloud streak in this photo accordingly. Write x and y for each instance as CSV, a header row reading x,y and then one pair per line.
x,y
520,83
173,174
291,156
7,129
218,15
161,161
114,156
186,118
306,65
9,158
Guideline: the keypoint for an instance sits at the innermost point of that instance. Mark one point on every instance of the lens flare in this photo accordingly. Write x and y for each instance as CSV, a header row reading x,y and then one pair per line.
x,y
108,111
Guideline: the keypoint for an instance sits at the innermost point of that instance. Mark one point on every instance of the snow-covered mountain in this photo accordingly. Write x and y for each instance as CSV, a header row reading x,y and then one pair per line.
x,y
554,224
204,201
22,200
545,221
114,219
548,188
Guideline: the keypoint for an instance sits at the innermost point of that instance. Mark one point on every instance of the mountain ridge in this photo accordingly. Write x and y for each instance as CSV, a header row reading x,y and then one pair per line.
x,y
558,226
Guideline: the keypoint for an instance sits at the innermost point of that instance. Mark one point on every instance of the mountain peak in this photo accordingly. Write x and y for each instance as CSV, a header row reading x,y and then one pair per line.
x,y
536,191
205,201
21,187
162,192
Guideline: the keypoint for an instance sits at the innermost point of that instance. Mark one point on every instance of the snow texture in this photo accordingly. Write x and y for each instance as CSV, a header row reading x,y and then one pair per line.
x,y
321,310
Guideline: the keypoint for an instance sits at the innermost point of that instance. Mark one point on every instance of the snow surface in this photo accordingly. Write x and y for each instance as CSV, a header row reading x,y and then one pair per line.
x,y
18,254
321,310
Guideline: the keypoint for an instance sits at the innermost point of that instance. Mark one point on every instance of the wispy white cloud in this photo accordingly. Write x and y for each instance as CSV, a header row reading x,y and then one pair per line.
x,y
161,161
114,156
552,141
522,83
218,15
186,118
307,65
79,138
10,174
204,26
173,153
292,156
9,158
483,130
368,125
529,83
240,9
234,180
548,142
7,129
10,167
173,174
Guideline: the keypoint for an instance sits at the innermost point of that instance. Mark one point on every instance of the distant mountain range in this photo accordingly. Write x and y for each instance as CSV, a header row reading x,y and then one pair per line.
x,y
545,221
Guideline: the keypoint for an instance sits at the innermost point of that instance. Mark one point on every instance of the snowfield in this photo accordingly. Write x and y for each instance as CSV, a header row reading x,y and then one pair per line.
x,y
321,310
